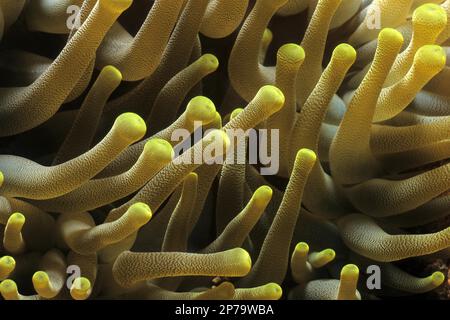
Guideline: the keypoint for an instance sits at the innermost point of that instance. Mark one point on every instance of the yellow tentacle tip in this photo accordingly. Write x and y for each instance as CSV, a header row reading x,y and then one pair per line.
x,y
202,109
389,36
160,150
272,96
322,258
131,126
209,62
272,291
16,220
267,37
437,278
217,122
262,196
244,258
291,52
192,177
40,280
81,288
219,137
116,6
330,254
431,58
349,272
301,248
8,290
2,178
306,155
235,113
345,52
430,15
7,266
111,72
140,213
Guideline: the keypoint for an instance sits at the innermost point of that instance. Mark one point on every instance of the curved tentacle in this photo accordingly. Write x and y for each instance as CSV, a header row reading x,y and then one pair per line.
x,y
350,157
314,45
27,107
362,235
79,232
138,57
237,230
245,72
382,198
50,279
428,62
168,101
25,178
82,132
223,17
98,192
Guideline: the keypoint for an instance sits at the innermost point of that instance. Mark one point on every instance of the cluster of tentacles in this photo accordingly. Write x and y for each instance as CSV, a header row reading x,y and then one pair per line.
x,y
97,201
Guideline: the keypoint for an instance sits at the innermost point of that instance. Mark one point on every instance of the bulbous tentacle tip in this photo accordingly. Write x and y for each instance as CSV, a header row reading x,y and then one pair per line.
x,y
430,58
140,213
8,289
306,155
272,291
272,95
349,272
2,178
192,177
218,119
160,150
262,196
209,62
202,109
40,280
390,37
43,285
244,258
322,258
330,254
111,72
228,288
216,123
267,37
302,248
81,288
220,137
235,113
7,265
292,53
437,278
430,15
16,220
130,126
345,52
348,283
116,6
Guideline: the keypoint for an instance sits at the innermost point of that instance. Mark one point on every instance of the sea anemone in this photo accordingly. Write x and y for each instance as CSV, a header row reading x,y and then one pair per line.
x,y
106,106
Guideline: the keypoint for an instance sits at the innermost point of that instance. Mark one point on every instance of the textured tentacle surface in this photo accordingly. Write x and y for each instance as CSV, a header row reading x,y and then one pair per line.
x,y
27,107
359,233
